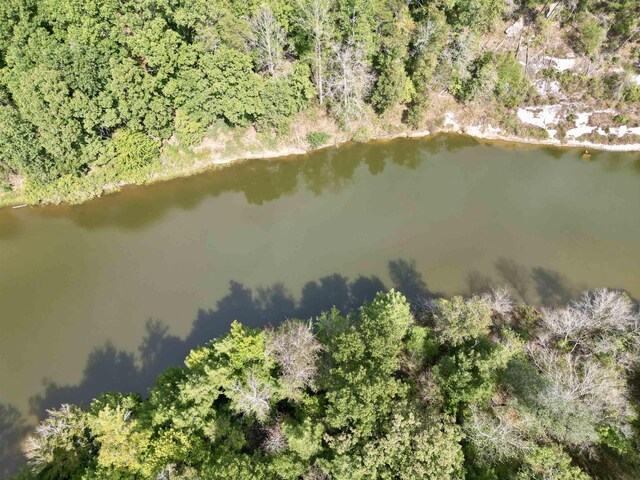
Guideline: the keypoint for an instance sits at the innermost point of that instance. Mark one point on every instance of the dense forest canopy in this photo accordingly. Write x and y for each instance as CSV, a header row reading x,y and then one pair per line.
x,y
102,85
477,388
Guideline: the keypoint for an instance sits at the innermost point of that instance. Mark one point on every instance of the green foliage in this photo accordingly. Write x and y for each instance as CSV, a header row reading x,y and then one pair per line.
x,y
496,76
512,86
621,119
133,151
552,463
421,344
303,438
317,139
69,188
118,434
615,439
285,96
378,396
20,150
591,35
188,131
470,375
233,88
459,320
77,79
632,93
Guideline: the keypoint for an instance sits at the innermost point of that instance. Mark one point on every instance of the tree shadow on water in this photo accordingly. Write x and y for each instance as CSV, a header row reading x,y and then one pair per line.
x,y
553,288
109,368
13,429
537,286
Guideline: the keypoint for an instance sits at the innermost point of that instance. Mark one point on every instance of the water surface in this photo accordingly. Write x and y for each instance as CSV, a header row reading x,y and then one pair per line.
x,y
466,214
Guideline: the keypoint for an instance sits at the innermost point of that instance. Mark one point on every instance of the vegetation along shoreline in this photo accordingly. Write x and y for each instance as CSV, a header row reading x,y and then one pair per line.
x,y
201,163
100,94
477,387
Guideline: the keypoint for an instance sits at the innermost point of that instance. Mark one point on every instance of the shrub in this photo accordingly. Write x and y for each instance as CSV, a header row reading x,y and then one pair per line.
x,y
361,135
621,119
317,139
632,93
513,85
134,150
68,189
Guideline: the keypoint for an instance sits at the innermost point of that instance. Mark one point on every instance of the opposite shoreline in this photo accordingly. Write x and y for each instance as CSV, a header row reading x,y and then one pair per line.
x,y
212,160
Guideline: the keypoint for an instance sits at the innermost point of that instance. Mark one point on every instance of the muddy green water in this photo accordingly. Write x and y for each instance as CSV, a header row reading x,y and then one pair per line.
x,y
72,278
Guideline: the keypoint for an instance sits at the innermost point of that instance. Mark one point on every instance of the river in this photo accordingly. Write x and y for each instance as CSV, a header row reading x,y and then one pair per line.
x,y
440,215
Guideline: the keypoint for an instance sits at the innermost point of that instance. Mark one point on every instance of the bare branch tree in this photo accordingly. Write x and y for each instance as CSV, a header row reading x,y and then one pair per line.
x,y
601,322
349,80
497,438
268,38
253,396
313,18
275,440
582,382
167,473
62,430
315,473
499,301
295,349
612,308
425,35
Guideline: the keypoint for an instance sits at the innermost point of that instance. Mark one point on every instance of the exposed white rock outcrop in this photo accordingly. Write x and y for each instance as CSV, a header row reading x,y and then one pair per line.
x,y
450,121
582,126
546,87
540,116
562,64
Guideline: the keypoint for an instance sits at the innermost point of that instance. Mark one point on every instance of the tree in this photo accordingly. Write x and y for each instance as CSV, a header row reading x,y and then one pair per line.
x,y
268,37
252,397
348,82
122,439
283,97
591,35
20,149
377,395
459,320
233,89
602,322
428,43
296,350
313,18
60,444
393,85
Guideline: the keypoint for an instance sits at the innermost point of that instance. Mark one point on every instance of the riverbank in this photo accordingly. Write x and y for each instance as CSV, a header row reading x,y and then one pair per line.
x,y
224,146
